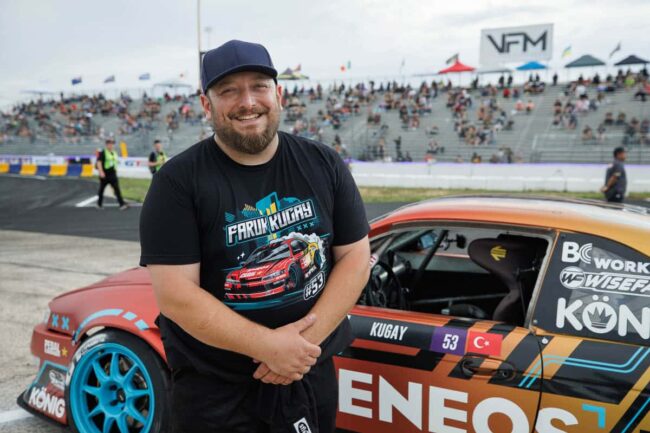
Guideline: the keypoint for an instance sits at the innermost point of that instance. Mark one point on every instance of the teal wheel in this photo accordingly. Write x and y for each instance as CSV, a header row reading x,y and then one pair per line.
x,y
117,384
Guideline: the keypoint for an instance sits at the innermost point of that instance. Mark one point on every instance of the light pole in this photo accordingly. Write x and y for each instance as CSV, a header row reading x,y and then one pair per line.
x,y
198,35
207,31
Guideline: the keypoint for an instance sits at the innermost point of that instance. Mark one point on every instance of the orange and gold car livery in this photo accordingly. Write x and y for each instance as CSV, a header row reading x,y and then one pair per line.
x,y
499,315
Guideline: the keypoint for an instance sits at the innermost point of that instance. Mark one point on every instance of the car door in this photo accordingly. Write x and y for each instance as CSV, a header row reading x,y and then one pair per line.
x,y
593,314
415,371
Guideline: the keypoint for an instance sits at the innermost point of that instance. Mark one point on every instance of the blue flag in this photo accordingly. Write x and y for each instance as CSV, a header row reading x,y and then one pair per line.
x,y
76,80
143,77
110,79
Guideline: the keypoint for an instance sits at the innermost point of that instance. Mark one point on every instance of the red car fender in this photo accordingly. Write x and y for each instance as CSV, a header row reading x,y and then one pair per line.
x,y
130,307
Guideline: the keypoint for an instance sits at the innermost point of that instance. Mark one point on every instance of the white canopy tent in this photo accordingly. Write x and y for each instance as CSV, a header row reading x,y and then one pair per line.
x,y
173,87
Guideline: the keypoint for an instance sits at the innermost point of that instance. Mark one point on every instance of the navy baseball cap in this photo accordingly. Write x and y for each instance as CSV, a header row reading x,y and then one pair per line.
x,y
235,56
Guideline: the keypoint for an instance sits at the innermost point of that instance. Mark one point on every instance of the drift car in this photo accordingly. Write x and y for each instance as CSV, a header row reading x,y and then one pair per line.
x,y
274,268
482,314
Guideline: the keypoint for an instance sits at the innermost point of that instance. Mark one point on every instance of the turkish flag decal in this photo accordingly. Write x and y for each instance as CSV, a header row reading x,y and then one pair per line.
x,y
484,343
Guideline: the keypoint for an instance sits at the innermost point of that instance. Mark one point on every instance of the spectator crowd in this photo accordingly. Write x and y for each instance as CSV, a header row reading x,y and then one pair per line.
x,y
373,121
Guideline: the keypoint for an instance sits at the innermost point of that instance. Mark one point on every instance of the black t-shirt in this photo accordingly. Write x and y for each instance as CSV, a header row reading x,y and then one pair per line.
x,y
617,169
263,235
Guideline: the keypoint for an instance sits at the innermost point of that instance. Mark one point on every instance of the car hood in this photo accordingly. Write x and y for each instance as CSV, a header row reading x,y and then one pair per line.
x,y
131,277
260,270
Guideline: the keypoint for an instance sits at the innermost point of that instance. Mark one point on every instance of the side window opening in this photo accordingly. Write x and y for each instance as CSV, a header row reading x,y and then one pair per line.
x,y
479,273
515,261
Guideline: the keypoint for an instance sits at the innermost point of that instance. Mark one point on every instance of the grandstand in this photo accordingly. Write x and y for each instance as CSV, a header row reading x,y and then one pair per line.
x,y
528,123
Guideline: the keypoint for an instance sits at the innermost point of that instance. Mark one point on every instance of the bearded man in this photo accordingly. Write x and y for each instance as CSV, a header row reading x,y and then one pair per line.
x,y
256,242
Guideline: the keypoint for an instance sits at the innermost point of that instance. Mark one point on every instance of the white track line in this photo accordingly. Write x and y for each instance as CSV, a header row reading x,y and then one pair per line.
x,y
13,415
93,199
87,201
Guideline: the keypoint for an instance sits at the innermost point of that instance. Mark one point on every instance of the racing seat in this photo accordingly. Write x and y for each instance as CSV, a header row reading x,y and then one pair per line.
x,y
515,261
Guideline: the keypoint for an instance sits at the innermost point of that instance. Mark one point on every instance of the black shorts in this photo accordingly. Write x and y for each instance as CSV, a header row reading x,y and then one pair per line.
x,y
206,404
615,197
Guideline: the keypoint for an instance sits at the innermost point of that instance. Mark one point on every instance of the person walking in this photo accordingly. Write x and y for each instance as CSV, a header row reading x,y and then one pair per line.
x,y
256,243
107,169
157,157
615,177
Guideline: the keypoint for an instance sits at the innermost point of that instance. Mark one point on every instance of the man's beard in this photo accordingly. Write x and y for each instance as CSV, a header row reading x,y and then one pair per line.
x,y
251,144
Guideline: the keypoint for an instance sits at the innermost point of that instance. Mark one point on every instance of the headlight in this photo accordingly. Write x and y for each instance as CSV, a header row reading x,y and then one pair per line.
x,y
273,275
231,281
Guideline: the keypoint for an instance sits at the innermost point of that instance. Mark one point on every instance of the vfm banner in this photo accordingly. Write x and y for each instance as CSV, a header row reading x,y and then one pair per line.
x,y
516,44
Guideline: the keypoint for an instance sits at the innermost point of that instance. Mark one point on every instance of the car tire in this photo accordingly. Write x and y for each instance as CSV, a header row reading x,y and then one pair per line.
x,y
295,277
116,378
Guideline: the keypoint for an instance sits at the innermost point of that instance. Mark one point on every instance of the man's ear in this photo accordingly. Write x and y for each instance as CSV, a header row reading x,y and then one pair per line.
x,y
279,95
206,105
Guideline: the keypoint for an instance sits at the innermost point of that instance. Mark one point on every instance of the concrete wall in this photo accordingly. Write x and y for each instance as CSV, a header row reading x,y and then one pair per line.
x,y
29,165
503,177
485,176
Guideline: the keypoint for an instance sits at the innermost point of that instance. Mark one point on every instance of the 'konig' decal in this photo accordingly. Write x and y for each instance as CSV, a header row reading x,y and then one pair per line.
x,y
599,288
46,394
45,401
597,315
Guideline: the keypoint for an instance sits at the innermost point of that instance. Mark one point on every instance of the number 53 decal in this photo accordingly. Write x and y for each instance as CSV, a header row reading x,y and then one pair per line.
x,y
313,286
449,340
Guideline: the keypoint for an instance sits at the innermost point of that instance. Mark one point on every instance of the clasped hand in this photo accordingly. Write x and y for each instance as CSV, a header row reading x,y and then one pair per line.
x,y
288,355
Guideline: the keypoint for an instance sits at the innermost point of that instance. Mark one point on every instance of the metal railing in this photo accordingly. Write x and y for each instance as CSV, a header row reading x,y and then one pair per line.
x,y
571,147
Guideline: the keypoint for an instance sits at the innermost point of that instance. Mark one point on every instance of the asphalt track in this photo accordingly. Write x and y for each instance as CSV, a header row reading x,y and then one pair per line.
x,y
67,207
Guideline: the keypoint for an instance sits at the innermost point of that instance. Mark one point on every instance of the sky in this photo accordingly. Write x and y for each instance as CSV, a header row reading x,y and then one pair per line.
x,y
43,44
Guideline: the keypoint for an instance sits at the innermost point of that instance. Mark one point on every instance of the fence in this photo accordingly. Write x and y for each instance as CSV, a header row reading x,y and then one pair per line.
x,y
138,144
563,147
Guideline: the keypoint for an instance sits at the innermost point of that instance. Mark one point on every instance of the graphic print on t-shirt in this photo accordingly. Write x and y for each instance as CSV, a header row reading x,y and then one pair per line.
x,y
285,265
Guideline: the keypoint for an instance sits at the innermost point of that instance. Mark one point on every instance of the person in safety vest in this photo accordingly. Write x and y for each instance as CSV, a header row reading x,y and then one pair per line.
x,y
107,169
156,158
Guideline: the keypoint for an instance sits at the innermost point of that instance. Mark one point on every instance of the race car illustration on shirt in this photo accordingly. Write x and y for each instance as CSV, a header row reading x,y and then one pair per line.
x,y
277,267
